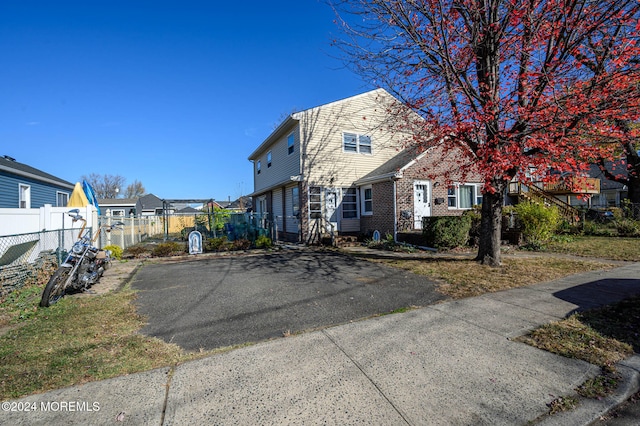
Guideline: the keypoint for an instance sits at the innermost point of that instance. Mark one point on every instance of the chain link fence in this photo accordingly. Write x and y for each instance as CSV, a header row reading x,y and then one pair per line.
x,y
23,255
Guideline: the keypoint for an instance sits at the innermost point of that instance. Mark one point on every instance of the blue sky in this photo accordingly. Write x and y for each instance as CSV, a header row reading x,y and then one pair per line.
x,y
174,94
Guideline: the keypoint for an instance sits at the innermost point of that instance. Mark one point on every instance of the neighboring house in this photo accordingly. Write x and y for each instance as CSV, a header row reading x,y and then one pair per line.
x,y
240,205
118,206
338,168
150,205
611,192
22,186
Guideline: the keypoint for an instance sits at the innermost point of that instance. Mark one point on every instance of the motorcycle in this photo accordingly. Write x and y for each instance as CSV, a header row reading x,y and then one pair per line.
x,y
83,266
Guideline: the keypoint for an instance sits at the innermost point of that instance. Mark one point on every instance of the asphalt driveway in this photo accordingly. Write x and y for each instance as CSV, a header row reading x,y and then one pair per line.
x,y
212,302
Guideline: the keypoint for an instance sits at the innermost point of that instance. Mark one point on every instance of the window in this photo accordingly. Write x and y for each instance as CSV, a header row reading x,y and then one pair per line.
x,y
62,198
24,197
295,201
352,142
268,159
117,212
464,196
258,167
364,144
290,143
315,202
367,200
349,203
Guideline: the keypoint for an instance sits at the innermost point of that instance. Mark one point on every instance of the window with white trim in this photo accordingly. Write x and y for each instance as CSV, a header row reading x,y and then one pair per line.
x,y
367,200
258,167
315,202
464,196
349,203
268,159
290,143
62,198
24,201
352,142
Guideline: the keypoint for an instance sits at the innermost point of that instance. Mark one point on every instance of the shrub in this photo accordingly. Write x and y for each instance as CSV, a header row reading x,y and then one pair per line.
x,y
167,249
116,251
217,244
628,227
136,251
447,231
263,242
538,222
240,244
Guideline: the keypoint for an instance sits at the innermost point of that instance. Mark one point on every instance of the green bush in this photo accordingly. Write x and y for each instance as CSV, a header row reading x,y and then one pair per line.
x,y
168,248
628,227
217,244
447,231
538,223
116,251
263,242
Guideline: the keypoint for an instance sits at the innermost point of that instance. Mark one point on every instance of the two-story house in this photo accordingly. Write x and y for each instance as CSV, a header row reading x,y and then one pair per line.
x,y
343,168
23,186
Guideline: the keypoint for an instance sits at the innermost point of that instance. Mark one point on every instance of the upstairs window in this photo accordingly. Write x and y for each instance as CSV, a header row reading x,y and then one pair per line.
x,y
352,142
290,144
258,167
268,159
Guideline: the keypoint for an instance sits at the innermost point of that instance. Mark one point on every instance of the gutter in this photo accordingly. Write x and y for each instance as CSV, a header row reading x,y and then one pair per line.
x,y
38,178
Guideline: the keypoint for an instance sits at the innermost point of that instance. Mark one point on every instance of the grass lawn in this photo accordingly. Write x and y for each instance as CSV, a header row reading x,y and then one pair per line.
x,y
613,248
82,339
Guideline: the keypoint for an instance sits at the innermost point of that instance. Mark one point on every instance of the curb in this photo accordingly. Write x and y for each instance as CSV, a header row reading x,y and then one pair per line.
x,y
590,410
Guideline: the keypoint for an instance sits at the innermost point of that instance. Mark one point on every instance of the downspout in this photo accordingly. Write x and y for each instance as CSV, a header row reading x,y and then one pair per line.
x,y
395,212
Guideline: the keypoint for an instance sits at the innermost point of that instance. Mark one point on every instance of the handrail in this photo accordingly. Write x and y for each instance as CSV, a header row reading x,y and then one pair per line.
x,y
567,210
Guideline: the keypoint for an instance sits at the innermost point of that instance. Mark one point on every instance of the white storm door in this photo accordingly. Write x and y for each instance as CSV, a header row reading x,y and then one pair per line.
x,y
421,202
331,209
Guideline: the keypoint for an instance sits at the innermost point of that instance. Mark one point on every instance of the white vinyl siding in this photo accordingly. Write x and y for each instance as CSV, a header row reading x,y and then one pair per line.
x,y
278,165
325,161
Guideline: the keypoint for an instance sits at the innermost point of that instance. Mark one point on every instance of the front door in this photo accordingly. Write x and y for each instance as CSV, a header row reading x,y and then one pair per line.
x,y
421,202
331,209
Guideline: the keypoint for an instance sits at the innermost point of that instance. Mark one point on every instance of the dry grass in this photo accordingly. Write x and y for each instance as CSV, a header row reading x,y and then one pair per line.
x,y
466,278
573,338
79,339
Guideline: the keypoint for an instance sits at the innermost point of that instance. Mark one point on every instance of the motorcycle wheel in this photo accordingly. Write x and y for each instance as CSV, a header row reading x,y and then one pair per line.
x,y
54,290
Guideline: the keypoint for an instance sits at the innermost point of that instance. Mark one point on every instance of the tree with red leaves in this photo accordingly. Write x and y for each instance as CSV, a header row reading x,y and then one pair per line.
x,y
519,85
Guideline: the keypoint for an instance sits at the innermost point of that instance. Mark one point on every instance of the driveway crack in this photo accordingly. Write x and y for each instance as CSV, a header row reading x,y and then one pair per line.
x,y
166,393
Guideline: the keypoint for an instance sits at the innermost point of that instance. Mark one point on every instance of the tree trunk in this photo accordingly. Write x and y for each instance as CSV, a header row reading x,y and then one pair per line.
x,y
491,226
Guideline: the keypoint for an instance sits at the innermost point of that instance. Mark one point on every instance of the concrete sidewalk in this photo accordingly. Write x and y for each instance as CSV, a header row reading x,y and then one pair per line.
x,y
451,363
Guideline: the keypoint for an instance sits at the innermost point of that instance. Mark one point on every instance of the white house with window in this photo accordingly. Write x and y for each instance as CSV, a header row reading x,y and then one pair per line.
x,y
338,168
